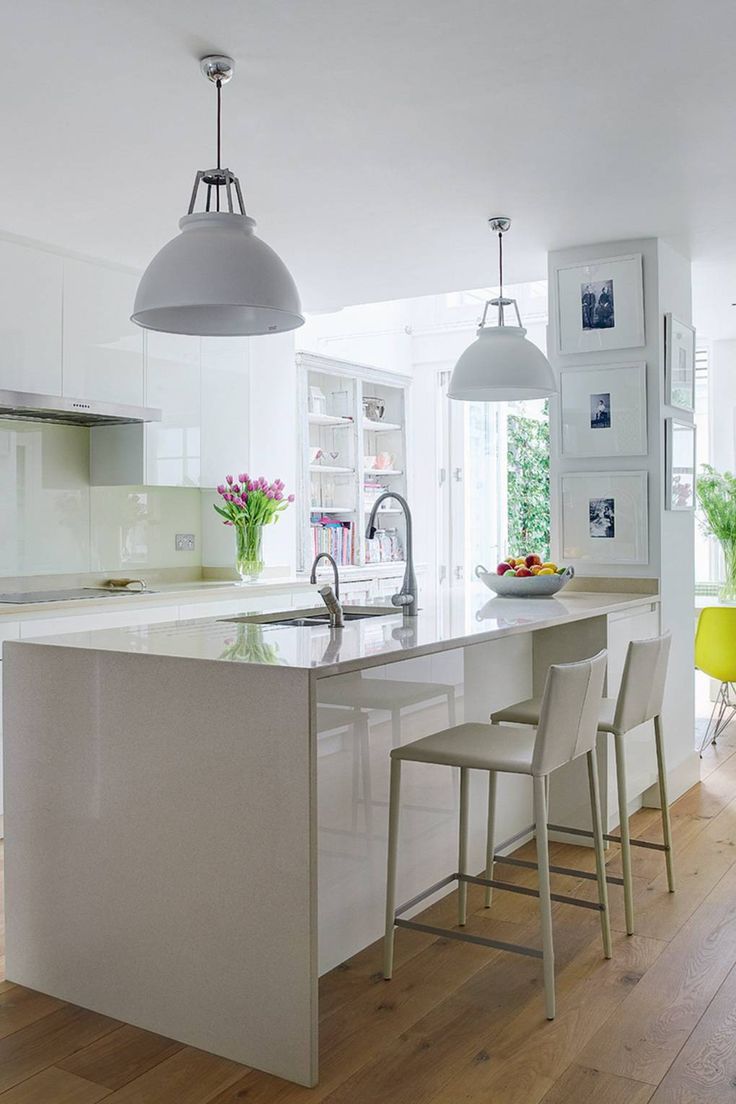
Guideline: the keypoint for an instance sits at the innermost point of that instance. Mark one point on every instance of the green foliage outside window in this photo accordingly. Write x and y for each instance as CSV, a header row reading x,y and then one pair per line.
x,y
528,485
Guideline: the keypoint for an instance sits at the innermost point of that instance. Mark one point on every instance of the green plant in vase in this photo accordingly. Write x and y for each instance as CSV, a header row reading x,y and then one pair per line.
x,y
716,493
248,505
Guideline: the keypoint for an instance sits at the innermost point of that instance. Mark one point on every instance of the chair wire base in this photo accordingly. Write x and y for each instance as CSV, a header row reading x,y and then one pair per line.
x,y
723,712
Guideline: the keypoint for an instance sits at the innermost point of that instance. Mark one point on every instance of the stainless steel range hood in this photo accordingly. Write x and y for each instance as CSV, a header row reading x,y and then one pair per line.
x,y
26,406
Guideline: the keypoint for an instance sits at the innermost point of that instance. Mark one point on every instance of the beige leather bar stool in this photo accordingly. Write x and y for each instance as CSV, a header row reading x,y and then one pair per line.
x,y
639,700
567,729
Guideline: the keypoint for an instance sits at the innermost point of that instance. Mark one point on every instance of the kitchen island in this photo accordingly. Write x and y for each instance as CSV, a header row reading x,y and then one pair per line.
x,y
197,811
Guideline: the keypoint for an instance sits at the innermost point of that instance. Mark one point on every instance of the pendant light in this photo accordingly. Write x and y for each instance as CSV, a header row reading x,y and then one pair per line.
x,y
216,278
501,364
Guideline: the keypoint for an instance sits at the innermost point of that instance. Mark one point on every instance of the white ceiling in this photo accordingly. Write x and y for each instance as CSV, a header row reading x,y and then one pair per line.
x,y
374,137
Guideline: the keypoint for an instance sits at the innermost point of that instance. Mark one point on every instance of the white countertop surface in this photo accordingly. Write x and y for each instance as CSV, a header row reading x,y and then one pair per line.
x,y
470,616
200,590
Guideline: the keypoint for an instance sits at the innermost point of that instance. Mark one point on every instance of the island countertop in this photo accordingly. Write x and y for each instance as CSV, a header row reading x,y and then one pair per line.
x,y
466,616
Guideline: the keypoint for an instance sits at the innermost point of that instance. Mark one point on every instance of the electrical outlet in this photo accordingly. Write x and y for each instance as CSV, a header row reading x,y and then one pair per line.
x,y
184,542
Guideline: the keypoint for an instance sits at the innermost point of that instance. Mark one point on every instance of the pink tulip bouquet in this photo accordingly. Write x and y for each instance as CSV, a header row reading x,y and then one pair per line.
x,y
247,505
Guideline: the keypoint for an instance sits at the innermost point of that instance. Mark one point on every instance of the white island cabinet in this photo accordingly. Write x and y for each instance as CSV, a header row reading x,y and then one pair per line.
x,y
30,319
196,812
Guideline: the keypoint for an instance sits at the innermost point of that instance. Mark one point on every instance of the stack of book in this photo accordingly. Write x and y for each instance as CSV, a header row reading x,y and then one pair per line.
x,y
335,537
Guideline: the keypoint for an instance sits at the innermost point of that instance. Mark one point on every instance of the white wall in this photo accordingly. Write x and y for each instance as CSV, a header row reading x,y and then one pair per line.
x,y
671,547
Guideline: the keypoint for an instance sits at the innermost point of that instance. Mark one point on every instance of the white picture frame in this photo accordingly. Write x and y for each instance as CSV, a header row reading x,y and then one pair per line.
x,y
600,305
679,363
603,410
605,517
679,445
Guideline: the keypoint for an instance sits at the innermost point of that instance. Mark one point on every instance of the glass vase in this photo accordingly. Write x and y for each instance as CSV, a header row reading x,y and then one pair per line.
x,y
249,553
727,591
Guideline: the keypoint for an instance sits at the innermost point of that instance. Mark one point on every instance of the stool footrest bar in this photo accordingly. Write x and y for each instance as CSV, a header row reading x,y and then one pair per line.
x,y
425,893
613,839
526,891
610,878
463,937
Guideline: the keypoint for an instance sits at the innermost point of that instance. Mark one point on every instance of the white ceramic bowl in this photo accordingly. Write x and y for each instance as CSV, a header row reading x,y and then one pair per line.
x,y
534,586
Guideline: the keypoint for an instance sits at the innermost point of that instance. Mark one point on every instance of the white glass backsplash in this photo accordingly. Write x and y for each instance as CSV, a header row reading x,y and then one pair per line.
x,y
53,522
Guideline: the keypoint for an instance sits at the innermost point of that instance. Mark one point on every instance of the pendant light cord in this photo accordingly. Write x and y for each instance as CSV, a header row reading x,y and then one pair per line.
x,y
219,134
500,277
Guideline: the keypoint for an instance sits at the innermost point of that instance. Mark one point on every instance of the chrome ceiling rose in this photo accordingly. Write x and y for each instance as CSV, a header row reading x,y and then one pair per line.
x,y
217,278
217,67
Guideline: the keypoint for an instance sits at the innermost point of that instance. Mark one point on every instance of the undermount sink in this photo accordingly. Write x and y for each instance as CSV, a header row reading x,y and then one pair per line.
x,y
305,618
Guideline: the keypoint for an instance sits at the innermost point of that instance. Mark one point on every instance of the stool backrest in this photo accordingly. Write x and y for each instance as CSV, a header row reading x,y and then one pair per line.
x,y
715,643
568,716
642,683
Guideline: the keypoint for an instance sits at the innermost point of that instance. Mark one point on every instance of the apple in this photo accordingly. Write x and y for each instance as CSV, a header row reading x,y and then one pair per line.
x,y
510,561
503,568
523,573
533,560
535,569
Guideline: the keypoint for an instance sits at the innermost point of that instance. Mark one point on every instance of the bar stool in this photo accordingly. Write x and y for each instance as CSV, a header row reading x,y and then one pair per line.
x,y
639,700
566,730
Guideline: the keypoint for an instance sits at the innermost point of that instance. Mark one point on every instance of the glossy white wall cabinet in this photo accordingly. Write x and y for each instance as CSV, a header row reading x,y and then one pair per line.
x,y
172,384
102,348
225,407
30,319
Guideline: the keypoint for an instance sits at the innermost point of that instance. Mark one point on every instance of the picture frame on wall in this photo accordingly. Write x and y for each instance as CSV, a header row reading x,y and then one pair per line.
x,y
603,410
600,305
605,517
680,464
679,363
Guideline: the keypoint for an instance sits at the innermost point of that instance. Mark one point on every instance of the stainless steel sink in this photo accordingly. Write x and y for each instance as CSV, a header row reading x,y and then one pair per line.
x,y
305,618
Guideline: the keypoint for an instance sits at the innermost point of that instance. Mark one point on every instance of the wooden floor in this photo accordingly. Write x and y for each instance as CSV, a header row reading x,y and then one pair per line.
x,y
460,1023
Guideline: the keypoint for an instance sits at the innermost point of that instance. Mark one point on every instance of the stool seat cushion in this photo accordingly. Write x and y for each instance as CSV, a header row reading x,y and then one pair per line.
x,y
478,746
527,713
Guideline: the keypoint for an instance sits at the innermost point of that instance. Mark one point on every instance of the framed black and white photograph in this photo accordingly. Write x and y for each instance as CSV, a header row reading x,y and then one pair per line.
x,y
602,518
604,410
600,305
680,464
679,363
605,517
600,410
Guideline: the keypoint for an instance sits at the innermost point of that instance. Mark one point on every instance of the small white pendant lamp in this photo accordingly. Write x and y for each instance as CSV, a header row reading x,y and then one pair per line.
x,y
501,364
216,278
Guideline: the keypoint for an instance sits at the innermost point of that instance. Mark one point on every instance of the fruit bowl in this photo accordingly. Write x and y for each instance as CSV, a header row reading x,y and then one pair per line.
x,y
534,586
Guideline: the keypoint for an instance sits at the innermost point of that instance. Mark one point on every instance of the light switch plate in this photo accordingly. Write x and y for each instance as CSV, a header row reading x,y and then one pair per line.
x,y
184,542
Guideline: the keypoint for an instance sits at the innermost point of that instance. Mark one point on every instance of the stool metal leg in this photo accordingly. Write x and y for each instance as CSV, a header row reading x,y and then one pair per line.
x,y
545,903
664,802
394,802
462,852
600,863
491,834
623,820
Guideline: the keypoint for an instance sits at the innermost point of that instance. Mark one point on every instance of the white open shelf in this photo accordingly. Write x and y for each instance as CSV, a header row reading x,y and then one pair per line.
x,y
328,419
330,469
380,427
339,386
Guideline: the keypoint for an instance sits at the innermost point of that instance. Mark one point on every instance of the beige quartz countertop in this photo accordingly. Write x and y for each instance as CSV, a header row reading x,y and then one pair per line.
x,y
162,594
468,616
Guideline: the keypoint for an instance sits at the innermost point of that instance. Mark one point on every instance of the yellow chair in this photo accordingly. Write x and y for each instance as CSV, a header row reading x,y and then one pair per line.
x,y
715,656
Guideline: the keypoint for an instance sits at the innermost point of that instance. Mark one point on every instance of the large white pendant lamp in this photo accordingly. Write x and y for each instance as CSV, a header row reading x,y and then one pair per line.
x,y
216,278
501,364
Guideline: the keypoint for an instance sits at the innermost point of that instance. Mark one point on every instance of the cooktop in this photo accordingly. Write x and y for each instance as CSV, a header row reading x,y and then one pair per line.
x,y
24,598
